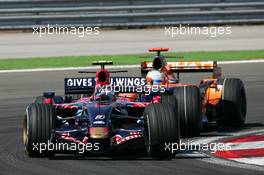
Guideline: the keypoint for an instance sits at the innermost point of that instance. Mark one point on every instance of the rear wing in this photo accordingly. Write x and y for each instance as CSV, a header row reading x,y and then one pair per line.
x,y
184,66
80,85
86,85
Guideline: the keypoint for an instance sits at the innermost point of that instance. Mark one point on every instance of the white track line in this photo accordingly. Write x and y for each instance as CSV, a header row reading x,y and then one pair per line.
x,y
241,61
229,162
113,67
254,161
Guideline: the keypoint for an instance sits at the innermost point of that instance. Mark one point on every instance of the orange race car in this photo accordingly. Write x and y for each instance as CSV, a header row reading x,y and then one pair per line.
x,y
215,99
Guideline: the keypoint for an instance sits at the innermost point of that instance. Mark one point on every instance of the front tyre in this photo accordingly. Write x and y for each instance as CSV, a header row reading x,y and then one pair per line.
x,y
39,122
39,100
162,128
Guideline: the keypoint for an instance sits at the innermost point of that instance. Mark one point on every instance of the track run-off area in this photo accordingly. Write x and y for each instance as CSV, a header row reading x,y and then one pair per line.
x,y
126,41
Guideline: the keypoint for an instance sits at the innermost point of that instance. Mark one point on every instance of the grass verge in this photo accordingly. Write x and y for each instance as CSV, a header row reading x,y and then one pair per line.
x,y
82,61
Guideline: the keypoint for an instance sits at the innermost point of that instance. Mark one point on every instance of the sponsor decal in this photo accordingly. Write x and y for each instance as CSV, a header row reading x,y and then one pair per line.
x,y
127,81
116,85
79,82
100,117
115,81
99,122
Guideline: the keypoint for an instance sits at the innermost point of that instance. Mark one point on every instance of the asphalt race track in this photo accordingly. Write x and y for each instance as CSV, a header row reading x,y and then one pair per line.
x,y
18,89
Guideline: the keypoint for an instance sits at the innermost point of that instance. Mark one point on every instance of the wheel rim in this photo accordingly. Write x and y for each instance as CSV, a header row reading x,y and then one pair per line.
x,y
25,131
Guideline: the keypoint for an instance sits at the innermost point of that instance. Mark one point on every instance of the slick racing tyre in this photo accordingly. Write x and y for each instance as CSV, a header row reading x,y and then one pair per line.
x,y
171,100
161,129
234,103
39,100
38,124
189,110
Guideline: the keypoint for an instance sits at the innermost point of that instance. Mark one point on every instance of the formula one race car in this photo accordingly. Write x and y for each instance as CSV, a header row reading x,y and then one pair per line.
x,y
215,99
99,122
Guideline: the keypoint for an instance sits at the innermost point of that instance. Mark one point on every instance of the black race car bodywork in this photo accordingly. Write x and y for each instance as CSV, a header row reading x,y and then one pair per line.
x,y
99,122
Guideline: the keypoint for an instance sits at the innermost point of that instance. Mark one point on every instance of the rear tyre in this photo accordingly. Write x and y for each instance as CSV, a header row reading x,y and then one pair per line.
x,y
39,100
189,110
169,99
38,124
162,128
234,103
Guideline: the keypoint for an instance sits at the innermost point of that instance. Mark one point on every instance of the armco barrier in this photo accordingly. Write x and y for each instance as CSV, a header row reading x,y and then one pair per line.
x,y
23,14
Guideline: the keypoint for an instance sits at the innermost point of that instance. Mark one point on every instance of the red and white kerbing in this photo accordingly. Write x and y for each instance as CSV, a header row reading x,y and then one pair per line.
x,y
246,149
